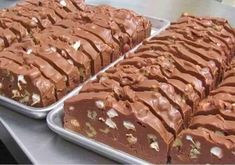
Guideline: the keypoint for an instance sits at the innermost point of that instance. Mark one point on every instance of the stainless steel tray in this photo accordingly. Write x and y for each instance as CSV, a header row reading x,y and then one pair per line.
x,y
41,113
55,123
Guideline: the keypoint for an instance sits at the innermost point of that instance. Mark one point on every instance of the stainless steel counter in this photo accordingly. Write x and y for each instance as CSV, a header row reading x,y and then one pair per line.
x,y
31,141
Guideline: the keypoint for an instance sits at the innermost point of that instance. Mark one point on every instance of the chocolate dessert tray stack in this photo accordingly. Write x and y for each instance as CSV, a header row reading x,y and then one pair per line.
x,y
171,100
49,48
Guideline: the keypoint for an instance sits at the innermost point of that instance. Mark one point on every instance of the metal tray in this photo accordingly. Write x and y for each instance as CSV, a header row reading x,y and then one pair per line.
x,y
41,113
55,123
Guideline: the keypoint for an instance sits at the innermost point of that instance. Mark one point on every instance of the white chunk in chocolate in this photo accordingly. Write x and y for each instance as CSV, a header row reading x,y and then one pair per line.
x,y
76,45
25,99
216,151
99,104
53,49
34,21
128,125
29,51
101,119
22,79
35,98
131,139
71,108
70,61
112,113
155,146
75,123
189,138
153,142
63,3
109,122
220,133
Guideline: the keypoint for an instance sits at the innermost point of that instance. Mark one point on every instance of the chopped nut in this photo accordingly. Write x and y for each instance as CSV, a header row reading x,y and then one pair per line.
x,y
233,104
112,113
131,139
24,100
29,51
63,3
75,123
128,125
153,141
218,28
76,45
106,130
100,104
188,137
194,153
36,99
195,150
53,49
15,93
101,119
195,147
155,146
70,62
91,114
109,122
91,132
218,44
71,108
216,151
220,133
233,152
177,143
151,138
20,80
34,21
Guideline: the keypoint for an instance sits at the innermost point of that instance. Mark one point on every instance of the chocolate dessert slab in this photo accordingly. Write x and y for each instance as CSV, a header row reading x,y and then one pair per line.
x,y
167,76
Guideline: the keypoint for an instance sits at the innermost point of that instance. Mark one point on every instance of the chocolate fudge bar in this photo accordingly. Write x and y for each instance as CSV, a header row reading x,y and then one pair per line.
x,y
211,134
66,41
203,146
30,16
142,104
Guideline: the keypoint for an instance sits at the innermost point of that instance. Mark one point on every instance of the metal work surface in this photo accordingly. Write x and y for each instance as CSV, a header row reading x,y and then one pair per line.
x,y
33,141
